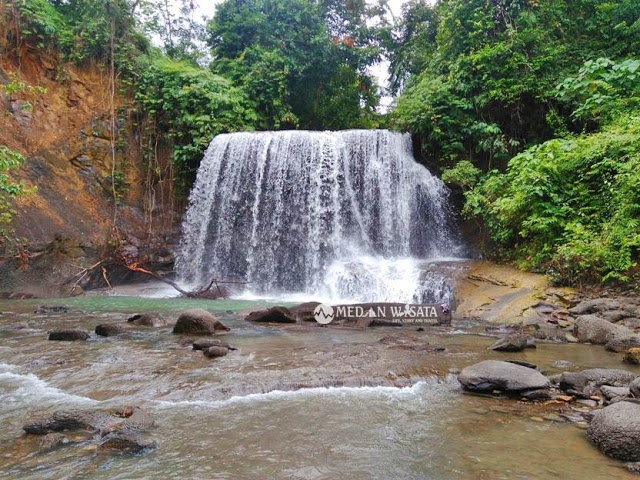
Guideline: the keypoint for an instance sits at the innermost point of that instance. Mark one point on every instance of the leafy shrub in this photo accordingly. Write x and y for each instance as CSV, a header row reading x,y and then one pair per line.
x,y
570,207
9,190
188,106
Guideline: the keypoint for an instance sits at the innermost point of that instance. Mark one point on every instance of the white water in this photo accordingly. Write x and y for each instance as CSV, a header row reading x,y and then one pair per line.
x,y
418,391
338,215
19,390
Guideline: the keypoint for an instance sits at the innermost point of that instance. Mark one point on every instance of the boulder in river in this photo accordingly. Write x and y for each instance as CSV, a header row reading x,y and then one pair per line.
x,y
69,335
214,352
490,375
592,329
148,319
304,311
112,329
127,419
513,343
609,376
634,387
272,315
610,392
199,322
51,441
572,381
123,442
616,431
205,343
621,343
632,356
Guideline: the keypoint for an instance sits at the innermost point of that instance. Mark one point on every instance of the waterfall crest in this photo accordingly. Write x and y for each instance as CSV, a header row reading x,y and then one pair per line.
x,y
294,211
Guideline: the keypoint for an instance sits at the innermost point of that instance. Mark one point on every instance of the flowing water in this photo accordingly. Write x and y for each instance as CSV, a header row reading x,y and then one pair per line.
x,y
304,402
348,216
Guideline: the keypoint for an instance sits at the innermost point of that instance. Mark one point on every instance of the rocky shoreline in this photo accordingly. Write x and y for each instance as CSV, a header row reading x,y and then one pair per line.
x,y
604,402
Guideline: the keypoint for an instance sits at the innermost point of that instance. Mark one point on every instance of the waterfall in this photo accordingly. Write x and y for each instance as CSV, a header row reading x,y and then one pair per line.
x,y
342,215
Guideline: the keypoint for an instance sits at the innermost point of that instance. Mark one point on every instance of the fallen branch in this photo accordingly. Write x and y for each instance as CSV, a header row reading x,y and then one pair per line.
x,y
206,292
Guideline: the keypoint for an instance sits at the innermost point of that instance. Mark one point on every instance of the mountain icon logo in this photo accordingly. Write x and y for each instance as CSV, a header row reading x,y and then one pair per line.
x,y
323,314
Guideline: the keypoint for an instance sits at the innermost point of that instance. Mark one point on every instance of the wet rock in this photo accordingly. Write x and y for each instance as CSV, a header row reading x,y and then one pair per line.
x,y
63,420
634,387
615,315
52,441
592,329
571,338
304,311
199,322
609,376
148,320
621,343
631,322
524,364
112,329
205,343
536,395
563,365
49,309
594,305
215,352
68,335
634,467
572,381
587,402
127,420
610,392
273,315
632,356
513,343
616,431
491,375
126,443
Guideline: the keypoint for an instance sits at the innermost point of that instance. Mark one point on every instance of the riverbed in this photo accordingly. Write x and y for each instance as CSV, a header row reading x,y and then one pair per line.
x,y
301,402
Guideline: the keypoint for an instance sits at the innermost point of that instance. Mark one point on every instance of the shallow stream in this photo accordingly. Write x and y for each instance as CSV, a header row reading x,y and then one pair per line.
x,y
302,402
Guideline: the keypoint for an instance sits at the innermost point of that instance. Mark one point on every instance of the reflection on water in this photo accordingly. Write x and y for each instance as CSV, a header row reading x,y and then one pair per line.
x,y
307,403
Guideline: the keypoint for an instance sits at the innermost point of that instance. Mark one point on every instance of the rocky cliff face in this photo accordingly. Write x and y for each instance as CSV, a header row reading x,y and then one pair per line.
x,y
70,154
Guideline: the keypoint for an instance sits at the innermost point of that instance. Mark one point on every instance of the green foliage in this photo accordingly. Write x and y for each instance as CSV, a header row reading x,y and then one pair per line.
x,y
571,206
82,30
603,86
302,61
9,190
188,106
480,75
464,175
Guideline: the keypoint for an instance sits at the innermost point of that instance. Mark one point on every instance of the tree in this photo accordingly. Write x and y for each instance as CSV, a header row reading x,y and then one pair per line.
x,y
314,55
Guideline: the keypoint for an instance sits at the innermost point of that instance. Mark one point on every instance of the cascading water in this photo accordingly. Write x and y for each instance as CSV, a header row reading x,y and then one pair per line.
x,y
340,215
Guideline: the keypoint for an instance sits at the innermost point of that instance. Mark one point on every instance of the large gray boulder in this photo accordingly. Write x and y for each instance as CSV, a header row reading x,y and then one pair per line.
x,y
634,387
507,377
199,322
622,343
609,376
616,431
513,343
592,329
595,305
